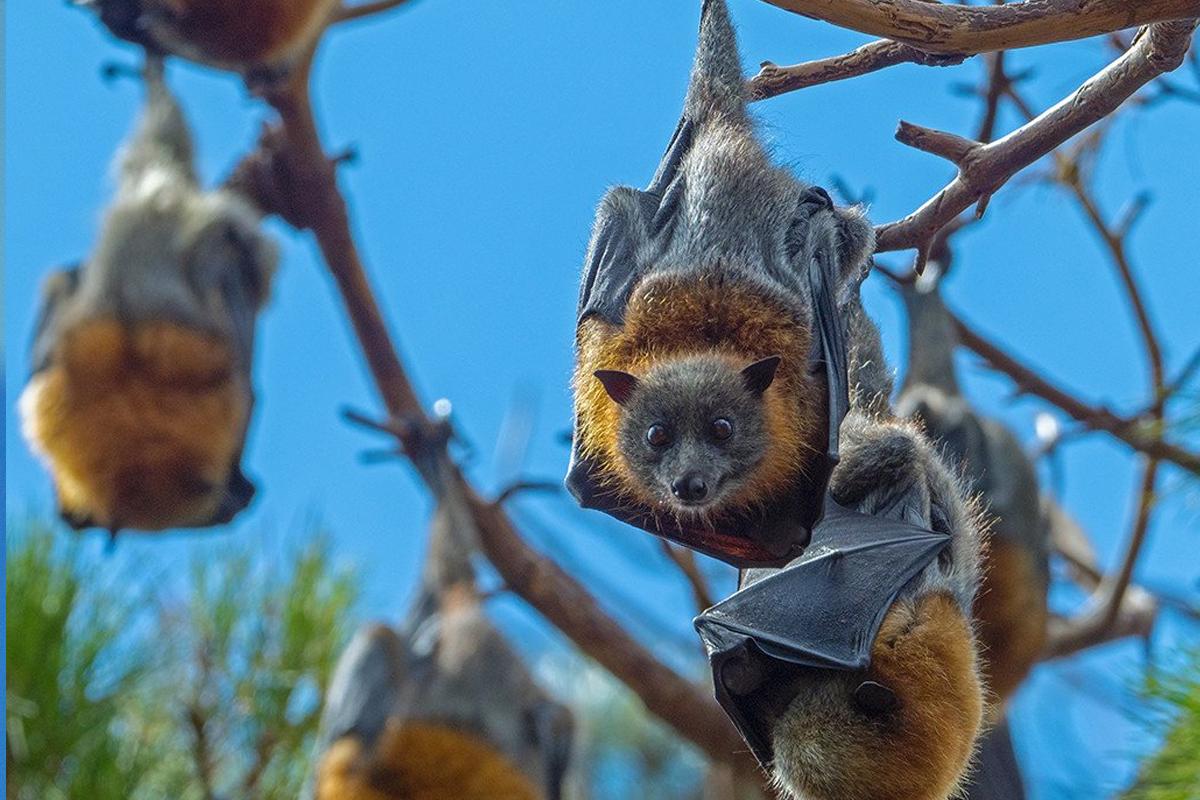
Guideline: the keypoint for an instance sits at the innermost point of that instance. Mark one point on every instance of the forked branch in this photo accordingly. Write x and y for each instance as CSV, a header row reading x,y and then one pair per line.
x,y
1160,49
966,29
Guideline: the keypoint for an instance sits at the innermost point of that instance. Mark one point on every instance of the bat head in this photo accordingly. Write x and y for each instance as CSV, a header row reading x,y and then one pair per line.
x,y
693,430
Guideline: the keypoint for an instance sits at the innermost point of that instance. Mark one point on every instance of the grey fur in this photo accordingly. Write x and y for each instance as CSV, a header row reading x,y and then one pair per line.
x,y
728,211
168,250
990,457
686,397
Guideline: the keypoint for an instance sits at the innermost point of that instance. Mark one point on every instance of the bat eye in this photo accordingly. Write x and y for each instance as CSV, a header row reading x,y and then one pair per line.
x,y
721,429
658,436
874,699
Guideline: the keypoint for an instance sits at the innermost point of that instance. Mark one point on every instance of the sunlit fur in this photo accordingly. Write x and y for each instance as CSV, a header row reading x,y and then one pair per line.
x,y
669,318
140,426
825,749
418,761
1011,616
236,33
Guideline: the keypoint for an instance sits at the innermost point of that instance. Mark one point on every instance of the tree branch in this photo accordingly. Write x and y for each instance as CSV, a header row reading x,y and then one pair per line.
x,y
947,28
685,560
1160,49
773,80
291,176
1069,173
1114,611
1135,432
348,13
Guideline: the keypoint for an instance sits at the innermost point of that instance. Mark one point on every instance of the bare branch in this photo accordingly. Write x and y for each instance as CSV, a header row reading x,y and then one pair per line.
x,y
952,28
685,560
1137,433
291,176
949,146
1160,49
1114,611
362,10
773,80
687,708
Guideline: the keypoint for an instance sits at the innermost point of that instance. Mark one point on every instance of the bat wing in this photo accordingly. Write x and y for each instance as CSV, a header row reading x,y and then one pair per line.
x,y
362,692
59,287
613,267
821,611
778,533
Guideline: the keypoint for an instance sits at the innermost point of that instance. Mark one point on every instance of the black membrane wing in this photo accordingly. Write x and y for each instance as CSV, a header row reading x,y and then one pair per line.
x,y
613,270
60,286
821,611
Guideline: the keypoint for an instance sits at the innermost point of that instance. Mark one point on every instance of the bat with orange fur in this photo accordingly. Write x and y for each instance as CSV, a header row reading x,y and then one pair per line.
x,y
259,38
445,709
140,395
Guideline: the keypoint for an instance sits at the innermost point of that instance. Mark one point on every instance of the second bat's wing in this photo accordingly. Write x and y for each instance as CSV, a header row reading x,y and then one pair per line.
x,y
821,611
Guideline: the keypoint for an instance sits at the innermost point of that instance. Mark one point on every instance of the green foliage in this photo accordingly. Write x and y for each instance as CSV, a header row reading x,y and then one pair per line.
x,y
69,672
1173,773
215,693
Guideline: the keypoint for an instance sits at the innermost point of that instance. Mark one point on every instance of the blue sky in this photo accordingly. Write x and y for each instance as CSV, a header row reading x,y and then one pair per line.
x,y
487,133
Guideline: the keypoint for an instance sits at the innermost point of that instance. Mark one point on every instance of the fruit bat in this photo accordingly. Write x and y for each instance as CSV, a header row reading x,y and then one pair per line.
x,y
444,709
711,373
1011,608
248,36
140,393
852,672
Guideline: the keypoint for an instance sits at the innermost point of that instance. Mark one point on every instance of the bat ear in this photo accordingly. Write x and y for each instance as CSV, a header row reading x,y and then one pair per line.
x,y
761,374
619,385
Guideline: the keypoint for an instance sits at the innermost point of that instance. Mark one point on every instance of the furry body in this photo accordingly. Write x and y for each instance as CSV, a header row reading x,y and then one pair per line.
x,y
138,424
421,762
1011,609
713,259
141,396
231,34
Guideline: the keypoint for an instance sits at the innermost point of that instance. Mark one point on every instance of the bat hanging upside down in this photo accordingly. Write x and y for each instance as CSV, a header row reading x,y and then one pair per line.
x,y
446,711
731,394
140,394
254,37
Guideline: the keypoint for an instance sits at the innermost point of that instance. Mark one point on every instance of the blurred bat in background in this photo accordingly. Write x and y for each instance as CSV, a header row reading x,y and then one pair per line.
x,y
1011,609
140,394
445,709
258,38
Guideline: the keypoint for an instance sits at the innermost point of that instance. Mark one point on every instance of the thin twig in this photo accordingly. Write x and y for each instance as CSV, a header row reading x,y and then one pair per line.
x,y
363,10
1160,49
685,560
1138,433
291,176
1111,615
954,28
773,80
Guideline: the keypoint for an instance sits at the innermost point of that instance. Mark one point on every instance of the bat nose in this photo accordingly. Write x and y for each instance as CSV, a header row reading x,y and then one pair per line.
x,y
691,488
